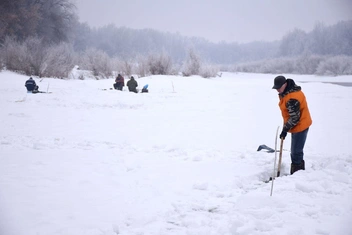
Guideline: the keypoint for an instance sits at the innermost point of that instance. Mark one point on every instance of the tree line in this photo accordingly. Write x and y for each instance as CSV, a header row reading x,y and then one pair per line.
x,y
49,20
45,38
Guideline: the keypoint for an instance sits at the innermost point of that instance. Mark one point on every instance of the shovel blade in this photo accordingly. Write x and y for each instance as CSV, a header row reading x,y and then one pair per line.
x,y
268,149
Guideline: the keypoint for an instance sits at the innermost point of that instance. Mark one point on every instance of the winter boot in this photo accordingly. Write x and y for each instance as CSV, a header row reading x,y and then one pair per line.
x,y
295,167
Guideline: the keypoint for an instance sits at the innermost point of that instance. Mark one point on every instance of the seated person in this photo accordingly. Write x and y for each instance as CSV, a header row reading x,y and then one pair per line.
x,y
132,85
145,89
119,82
31,85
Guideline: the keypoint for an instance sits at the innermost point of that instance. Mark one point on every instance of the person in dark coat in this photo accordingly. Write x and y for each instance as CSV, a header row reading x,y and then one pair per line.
x,y
31,85
119,82
132,85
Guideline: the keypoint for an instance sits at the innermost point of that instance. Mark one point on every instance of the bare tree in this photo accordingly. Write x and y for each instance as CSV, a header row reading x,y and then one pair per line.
x,y
57,18
51,20
18,19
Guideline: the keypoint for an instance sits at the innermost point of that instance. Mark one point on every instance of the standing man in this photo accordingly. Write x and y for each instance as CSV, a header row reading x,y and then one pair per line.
x,y
296,116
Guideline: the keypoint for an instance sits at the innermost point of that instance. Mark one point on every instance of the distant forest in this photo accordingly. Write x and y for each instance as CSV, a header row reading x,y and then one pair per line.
x,y
45,38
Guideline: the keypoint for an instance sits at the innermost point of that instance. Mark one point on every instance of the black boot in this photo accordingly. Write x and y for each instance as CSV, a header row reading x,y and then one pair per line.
x,y
298,167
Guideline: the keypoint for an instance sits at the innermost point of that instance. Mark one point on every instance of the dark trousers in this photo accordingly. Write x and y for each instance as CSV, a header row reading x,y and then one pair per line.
x,y
118,86
297,145
32,87
133,90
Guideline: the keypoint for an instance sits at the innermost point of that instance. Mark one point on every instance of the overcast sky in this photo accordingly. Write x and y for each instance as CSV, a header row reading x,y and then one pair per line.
x,y
216,20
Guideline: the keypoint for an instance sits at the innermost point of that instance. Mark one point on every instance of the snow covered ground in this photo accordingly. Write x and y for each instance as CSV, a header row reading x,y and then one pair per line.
x,y
180,160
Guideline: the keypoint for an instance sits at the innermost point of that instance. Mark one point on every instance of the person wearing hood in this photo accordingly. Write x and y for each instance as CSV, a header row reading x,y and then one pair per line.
x,y
119,82
296,117
132,85
31,86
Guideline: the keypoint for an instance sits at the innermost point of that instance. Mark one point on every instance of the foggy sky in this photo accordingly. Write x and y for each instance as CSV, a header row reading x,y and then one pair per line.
x,y
216,20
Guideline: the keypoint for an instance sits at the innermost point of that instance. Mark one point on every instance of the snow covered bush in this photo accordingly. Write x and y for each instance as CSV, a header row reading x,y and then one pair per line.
x,y
142,66
77,73
209,71
127,67
36,55
124,66
96,61
14,56
60,61
159,64
281,65
337,65
307,64
192,65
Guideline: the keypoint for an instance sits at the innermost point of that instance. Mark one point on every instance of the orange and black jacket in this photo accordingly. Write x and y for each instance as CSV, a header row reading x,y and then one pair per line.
x,y
294,108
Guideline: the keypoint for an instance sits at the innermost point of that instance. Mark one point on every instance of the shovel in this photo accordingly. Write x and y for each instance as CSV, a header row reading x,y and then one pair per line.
x,y
280,157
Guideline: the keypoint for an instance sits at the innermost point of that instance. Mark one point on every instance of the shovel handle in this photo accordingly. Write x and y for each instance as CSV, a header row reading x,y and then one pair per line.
x,y
280,157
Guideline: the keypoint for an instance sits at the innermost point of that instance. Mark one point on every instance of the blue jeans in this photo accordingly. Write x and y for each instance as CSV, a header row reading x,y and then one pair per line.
x,y
297,145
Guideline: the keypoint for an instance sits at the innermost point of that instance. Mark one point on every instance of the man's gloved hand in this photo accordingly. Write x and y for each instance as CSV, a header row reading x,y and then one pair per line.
x,y
283,134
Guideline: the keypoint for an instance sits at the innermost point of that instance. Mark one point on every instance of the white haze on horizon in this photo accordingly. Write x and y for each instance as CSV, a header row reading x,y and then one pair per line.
x,y
225,20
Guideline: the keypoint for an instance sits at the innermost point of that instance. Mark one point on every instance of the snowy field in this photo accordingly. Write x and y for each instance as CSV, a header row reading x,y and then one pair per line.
x,y
180,160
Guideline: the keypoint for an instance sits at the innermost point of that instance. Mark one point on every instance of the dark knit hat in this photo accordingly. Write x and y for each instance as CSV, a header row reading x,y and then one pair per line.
x,y
279,81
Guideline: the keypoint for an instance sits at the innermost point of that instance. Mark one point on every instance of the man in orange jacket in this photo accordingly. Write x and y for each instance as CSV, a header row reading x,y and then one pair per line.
x,y
296,116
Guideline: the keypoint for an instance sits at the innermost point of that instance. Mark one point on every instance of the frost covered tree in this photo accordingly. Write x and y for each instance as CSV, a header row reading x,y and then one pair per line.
x,y
57,18
36,55
159,64
28,56
96,61
294,43
50,20
60,60
14,56
142,66
320,40
122,66
192,65
19,19
209,71
337,65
